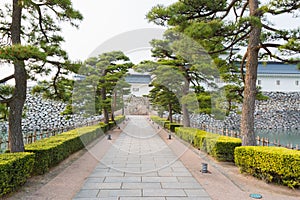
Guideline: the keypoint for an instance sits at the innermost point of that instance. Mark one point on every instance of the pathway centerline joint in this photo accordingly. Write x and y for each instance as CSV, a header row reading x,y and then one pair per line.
x,y
140,165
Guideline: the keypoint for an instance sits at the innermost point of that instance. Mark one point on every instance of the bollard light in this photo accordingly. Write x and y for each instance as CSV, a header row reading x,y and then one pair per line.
x,y
109,136
170,136
204,168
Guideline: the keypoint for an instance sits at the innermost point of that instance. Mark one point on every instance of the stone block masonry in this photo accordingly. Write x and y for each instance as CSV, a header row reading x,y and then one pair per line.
x,y
140,165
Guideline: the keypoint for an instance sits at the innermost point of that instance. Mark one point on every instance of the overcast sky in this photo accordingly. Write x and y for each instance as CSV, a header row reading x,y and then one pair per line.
x,y
104,20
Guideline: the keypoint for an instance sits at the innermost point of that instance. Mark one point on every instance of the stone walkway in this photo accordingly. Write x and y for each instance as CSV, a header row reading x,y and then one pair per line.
x,y
140,165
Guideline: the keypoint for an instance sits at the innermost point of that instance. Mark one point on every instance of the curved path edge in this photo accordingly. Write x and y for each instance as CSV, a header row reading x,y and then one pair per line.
x,y
223,180
67,181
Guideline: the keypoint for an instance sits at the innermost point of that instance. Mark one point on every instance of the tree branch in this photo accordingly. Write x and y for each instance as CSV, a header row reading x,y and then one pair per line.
x,y
271,45
37,6
231,45
7,78
282,33
229,8
270,28
269,53
244,8
55,82
293,7
5,100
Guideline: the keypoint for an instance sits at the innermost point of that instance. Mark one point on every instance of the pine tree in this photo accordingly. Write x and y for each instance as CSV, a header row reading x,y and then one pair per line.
x,y
223,26
103,77
30,41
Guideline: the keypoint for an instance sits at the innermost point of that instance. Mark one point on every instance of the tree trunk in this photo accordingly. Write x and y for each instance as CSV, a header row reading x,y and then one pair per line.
x,y
123,103
186,116
170,113
229,107
185,112
105,110
16,105
112,116
247,122
114,106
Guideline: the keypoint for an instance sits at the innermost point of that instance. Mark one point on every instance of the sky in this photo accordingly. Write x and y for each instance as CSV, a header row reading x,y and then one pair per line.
x,y
108,21
104,20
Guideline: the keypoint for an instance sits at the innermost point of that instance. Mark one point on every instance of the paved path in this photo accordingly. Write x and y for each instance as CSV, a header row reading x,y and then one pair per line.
x,y
140,173
140,165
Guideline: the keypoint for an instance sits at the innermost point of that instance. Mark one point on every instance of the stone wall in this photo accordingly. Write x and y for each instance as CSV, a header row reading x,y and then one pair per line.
x,y
42,114
280,111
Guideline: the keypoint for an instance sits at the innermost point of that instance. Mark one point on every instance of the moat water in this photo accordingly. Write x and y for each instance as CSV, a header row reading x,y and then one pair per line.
x,y
285,137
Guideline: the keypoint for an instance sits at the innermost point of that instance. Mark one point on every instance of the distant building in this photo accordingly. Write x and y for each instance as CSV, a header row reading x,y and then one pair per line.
x,y
275,77
139,83
278,77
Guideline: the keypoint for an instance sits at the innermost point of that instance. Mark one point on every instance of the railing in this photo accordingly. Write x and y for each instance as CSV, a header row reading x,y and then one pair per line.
x,y
34,136
263,141
260,141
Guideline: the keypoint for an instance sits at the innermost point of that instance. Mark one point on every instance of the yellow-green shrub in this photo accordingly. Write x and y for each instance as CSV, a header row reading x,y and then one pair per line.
x,y
187,134
119,119
272,164
161,121
49,152
220,147
15,168
172,126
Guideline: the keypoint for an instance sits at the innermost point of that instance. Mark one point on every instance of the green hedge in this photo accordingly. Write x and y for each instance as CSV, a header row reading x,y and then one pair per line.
x,y
220,147
172,126
160,121
165,123
119,119
187,134
50,151
43,154
104,127
15,168
272,164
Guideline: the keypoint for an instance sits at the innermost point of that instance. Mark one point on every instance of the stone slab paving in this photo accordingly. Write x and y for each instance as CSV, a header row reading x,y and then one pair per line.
x,y
140,165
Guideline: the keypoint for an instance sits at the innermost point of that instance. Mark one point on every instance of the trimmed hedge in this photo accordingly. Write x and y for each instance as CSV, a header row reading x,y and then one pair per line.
x,y
104,127
111,124
172,126
119,119
40,156
187,134
272,164
220,147
15,168
50,151
160,121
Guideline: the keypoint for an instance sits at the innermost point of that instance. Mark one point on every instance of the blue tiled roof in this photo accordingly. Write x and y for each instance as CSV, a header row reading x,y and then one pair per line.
x,y
138,78
277,68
